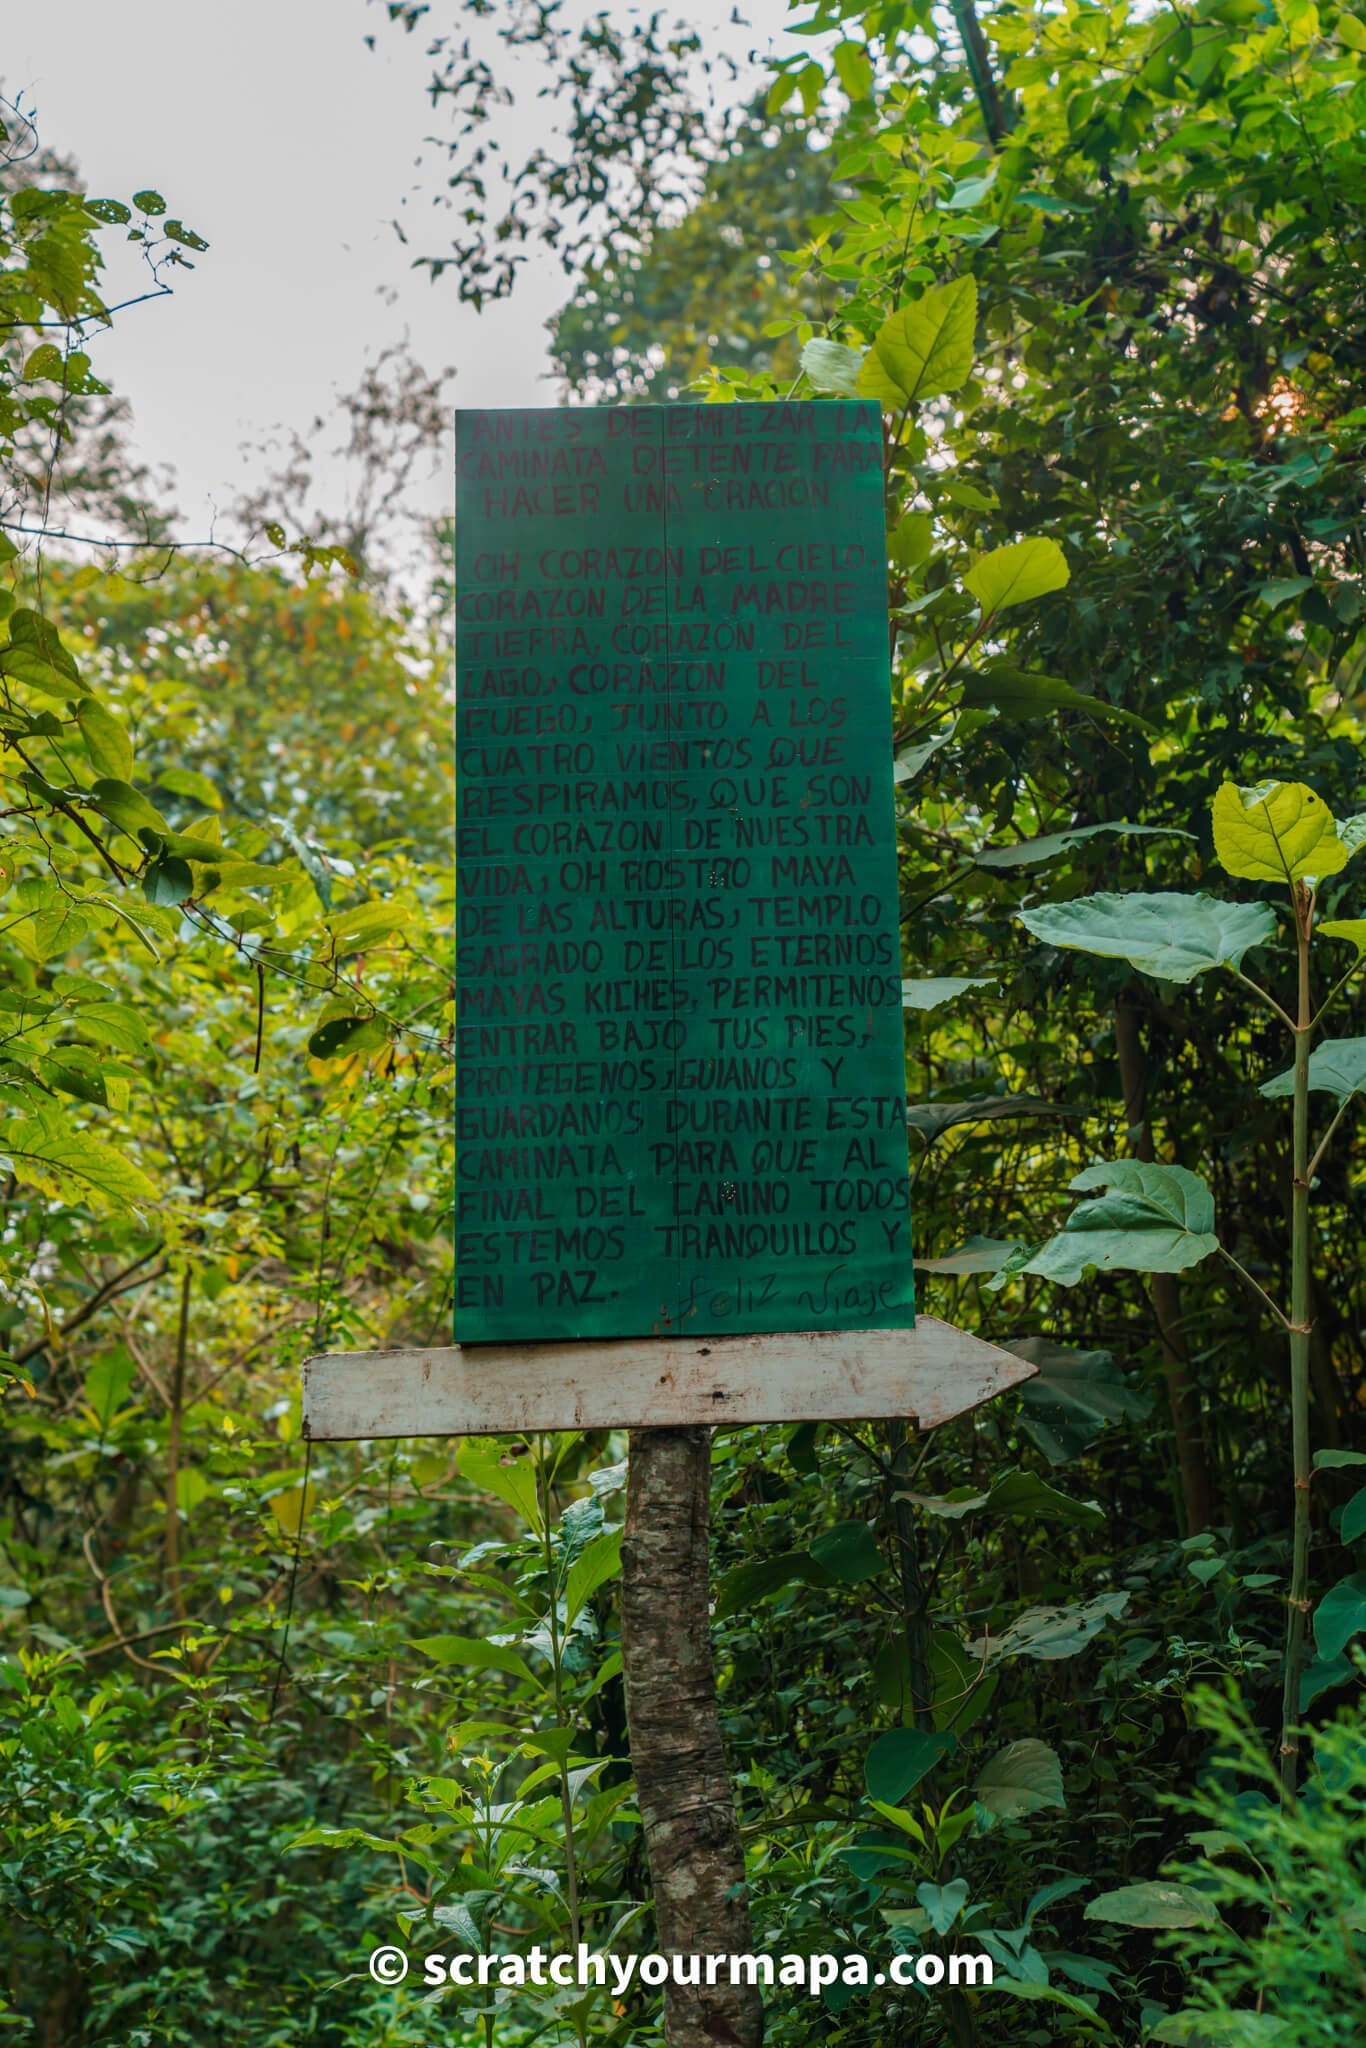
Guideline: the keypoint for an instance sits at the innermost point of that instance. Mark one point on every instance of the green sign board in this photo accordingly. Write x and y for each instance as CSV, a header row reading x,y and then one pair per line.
x,y
680,1085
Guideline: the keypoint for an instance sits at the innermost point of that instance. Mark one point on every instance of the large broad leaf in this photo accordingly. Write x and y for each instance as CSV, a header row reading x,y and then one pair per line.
x,y
943,1902
106,740
935,990
909,762
168,882
832,367
474,1652
924,349
1072,1396
1340,1615
1051,1633
931,1119
1337,1067
256,874
1169,935
901,1758
461,1922
291,1506
853,68
1325,1674
71,1165
189,782
34,654
961,1690
1151,1219
127,807
1192,2029
757,1577
370,924
343,1037
974,1255
848,1552
1353,929
910,541
596,1563
1282,588
1018,694
1153,1904
107,1384
1014,574
1022,1496
1021,1778
1277,832
1035,1993
194,845
76,1072
1034,852
514,1483
113,1024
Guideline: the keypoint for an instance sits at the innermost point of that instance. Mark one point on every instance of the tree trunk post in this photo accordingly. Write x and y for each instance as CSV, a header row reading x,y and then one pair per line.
x,y
692,1837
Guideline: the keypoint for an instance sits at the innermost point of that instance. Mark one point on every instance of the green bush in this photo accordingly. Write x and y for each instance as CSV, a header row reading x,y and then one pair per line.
x,y
1282,1958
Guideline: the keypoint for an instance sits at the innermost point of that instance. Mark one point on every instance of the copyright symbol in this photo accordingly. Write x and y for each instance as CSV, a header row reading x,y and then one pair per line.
x,y
388,1965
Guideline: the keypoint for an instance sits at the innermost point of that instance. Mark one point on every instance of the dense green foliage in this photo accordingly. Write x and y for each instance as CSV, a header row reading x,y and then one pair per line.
x,y
263,1706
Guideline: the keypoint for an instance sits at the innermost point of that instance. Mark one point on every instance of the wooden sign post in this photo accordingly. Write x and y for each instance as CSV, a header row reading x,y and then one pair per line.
x,y
681,1166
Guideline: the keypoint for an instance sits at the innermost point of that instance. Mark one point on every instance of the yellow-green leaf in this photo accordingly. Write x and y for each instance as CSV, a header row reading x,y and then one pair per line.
x,y
1353,929
106,741
1352,31
781,91
189,782
1017,572
108,1384
923,350
72,1166
191,1487
343,1037
113,1024
195,845
58,930
68,1072
1277,832
514,1483
24,664
127,807
255,874
910,541
34,654
45,365
595,1564
853,69
367,925
290,1507
475,1651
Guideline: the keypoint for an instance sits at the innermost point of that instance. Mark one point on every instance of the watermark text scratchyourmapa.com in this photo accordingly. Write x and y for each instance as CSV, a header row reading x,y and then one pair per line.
x,y
562,1970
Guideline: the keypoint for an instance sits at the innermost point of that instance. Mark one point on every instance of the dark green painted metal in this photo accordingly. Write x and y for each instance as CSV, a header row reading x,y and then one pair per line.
x,y
680,1072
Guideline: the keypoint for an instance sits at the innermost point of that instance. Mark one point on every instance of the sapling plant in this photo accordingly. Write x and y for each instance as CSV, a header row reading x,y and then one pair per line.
x,y
1152,1217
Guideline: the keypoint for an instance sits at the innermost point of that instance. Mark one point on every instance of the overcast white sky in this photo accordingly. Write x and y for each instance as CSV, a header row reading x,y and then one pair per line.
x,y
274,132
